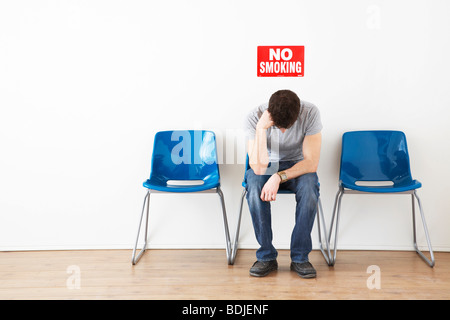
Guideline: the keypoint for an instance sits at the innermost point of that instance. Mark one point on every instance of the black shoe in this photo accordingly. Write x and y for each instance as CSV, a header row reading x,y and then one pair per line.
x,y
304,269
263,268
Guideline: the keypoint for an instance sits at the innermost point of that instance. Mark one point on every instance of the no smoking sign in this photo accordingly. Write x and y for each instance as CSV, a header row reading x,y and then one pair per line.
x,y
281,61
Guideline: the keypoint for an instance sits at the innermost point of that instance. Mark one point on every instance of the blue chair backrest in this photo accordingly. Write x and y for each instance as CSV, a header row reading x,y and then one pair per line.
x,y
247,166
185,155
375,156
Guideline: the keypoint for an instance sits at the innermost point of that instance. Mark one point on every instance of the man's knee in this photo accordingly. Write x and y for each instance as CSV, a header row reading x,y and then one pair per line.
x,y
308,185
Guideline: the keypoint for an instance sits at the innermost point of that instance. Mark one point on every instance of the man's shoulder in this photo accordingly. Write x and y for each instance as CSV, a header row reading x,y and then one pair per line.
x,y
308,110
254,115
308,105
258,111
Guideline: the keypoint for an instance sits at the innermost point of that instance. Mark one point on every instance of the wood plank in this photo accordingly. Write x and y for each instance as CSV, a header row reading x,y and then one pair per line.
x,y
204,274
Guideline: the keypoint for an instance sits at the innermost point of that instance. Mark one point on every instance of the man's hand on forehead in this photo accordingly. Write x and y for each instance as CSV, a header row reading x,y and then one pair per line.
x,y
265,122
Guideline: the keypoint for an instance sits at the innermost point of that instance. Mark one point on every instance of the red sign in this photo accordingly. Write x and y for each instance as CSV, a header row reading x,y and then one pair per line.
x,y
281,61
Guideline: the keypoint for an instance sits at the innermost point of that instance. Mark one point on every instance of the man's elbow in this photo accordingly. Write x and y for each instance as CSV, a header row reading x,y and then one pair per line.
x,y
259,172
312,166
259,169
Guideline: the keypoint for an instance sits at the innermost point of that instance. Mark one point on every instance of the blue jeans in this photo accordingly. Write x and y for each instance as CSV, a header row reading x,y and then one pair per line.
x,y
306,190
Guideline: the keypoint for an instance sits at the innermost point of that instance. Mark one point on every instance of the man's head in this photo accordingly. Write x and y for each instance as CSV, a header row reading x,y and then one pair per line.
x,y
284,108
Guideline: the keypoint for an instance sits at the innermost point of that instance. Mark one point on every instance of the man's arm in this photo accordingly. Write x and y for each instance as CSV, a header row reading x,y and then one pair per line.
x,y
310,162
311,155
257,149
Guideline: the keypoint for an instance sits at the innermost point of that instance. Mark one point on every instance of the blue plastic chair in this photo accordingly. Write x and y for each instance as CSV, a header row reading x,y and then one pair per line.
x,y
320,216
380,158
183,162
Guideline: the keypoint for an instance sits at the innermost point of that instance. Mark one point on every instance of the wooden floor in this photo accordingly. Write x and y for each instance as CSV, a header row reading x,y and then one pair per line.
x,y
204,274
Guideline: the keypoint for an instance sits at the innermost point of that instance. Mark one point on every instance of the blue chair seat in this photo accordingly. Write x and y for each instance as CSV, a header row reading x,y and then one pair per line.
x,y
163,186
400,187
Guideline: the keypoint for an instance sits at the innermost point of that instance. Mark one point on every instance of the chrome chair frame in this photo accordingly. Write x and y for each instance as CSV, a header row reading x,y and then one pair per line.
x,y
135,259
413,193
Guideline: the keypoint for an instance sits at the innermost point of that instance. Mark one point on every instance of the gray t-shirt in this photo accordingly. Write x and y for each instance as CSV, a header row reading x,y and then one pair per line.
x,y
286,146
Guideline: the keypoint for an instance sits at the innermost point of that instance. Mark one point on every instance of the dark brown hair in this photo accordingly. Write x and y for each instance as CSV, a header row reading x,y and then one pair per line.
x,y
284,108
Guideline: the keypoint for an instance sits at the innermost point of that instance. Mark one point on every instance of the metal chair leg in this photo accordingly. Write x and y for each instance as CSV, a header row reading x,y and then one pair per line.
x,y
336,214
431,262
320,216
225,222
135,259
236,239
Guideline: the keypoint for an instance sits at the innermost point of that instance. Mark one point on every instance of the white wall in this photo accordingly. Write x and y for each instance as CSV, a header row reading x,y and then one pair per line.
x,y
84,86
